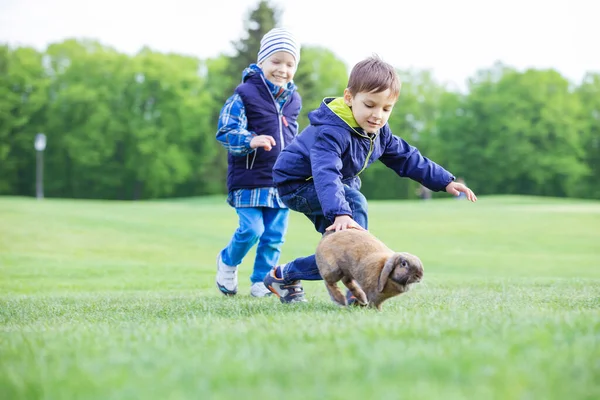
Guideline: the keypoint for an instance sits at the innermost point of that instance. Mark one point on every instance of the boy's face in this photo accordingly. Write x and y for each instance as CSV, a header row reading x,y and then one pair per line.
x,y
371,110
279,68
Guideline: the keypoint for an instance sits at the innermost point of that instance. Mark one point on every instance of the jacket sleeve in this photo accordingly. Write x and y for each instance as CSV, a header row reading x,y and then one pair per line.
x,y
326,164
232,131
407,161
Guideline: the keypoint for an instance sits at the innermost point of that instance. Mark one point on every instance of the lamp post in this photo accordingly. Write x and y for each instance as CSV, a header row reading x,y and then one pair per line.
x,y
40,145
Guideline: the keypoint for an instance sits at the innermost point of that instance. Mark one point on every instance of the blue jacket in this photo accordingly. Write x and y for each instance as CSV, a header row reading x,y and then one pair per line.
x,y
264,116
333,153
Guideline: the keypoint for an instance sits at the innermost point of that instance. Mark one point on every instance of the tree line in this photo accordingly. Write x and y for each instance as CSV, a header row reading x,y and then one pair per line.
x,y
143,126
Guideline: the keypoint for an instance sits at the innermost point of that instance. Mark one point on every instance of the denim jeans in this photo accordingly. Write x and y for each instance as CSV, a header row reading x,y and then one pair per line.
x,y
264,225
305,200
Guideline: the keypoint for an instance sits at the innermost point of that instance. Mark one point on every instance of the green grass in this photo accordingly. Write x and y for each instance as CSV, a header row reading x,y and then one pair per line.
x,y
116,300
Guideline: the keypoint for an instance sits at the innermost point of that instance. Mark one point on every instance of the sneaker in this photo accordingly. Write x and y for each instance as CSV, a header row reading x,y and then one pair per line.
x,y
350,299
227,280
258,289
288,292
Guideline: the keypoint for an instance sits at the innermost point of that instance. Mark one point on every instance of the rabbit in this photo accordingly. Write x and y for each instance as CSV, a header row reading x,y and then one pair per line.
x,y
369,269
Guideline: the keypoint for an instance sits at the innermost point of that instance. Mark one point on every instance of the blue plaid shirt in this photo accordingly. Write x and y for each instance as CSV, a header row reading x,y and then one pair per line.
x,y
235,137
259,197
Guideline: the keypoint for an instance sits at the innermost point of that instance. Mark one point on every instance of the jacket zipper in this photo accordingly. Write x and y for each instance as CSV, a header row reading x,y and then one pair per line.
x,y
280,120
371,141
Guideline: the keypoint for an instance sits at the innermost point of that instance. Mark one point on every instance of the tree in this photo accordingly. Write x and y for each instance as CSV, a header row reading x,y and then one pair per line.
x,y
83,119
320,74
517,133
261,20
589,94
169,122
124,127
23,99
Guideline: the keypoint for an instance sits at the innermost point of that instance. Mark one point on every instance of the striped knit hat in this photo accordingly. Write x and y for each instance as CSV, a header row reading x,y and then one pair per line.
x,y
278,39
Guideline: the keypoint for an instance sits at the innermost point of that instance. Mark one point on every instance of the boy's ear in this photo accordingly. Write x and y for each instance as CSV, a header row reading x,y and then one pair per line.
x,y
347,97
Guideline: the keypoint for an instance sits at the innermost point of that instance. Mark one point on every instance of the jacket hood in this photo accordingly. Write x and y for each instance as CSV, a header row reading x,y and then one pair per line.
x,y
334,111
275,90
252,69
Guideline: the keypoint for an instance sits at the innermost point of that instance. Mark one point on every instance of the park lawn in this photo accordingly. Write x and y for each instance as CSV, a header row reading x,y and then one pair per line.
x,y
116,300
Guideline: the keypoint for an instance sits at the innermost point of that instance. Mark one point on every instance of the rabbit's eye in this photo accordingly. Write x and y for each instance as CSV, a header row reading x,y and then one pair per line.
x,y
404,264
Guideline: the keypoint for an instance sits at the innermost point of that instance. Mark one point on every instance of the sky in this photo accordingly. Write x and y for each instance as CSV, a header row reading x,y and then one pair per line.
x,y
451,38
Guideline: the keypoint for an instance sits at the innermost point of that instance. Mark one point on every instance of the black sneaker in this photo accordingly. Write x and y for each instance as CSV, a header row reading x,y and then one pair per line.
x,y
350,299
288,292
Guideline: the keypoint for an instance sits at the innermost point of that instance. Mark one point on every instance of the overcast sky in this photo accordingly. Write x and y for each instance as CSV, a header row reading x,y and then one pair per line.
x,y
453,38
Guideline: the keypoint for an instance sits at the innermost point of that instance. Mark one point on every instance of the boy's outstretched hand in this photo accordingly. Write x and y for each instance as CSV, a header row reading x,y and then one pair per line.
x,y
342,222
455,189
265,141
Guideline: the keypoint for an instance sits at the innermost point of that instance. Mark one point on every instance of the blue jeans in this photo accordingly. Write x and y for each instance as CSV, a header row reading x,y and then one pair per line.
x,y
264,225
305,200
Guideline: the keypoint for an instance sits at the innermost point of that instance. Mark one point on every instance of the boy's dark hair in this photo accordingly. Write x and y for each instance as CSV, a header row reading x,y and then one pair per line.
x,y
373,75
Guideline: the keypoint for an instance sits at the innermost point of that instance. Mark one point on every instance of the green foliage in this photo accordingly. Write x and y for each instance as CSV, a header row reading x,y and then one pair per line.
x,y
143,126
136,127
23,99
517,133
589,95
168,115
320,74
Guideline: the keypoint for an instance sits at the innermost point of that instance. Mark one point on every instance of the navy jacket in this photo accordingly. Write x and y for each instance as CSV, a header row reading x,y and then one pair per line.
x,y
264,118
332,153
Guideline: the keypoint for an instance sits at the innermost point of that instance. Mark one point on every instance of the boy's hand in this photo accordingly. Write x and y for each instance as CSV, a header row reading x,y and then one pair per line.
x,y
455,188
342,222
265,141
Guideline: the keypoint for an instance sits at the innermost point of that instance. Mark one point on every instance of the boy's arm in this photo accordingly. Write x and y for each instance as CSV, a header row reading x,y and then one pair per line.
x,y
232,131
326,164
407,161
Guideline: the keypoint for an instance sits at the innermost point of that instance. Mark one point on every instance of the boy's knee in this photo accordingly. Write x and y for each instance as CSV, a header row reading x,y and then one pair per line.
x,y
252,232
357,201
361,204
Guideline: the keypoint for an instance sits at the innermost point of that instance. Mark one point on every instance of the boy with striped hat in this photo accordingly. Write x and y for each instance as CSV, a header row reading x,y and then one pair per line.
x,y
255,124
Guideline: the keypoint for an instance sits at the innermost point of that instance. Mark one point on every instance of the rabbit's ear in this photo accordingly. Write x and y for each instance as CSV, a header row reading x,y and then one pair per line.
x,y
389,265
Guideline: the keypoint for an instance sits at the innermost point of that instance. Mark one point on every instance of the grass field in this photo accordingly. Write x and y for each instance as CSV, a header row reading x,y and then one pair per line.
x,y
116,300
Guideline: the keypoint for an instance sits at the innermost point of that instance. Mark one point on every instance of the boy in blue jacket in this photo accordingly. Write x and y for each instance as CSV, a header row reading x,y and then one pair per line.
x,y
317,174
255,124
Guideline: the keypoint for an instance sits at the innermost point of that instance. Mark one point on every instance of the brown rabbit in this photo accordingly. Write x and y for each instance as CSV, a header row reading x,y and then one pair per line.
x,y
368,268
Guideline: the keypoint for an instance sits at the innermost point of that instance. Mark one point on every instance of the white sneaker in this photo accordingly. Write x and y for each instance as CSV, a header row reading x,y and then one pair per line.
x,y
227,279
258,289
